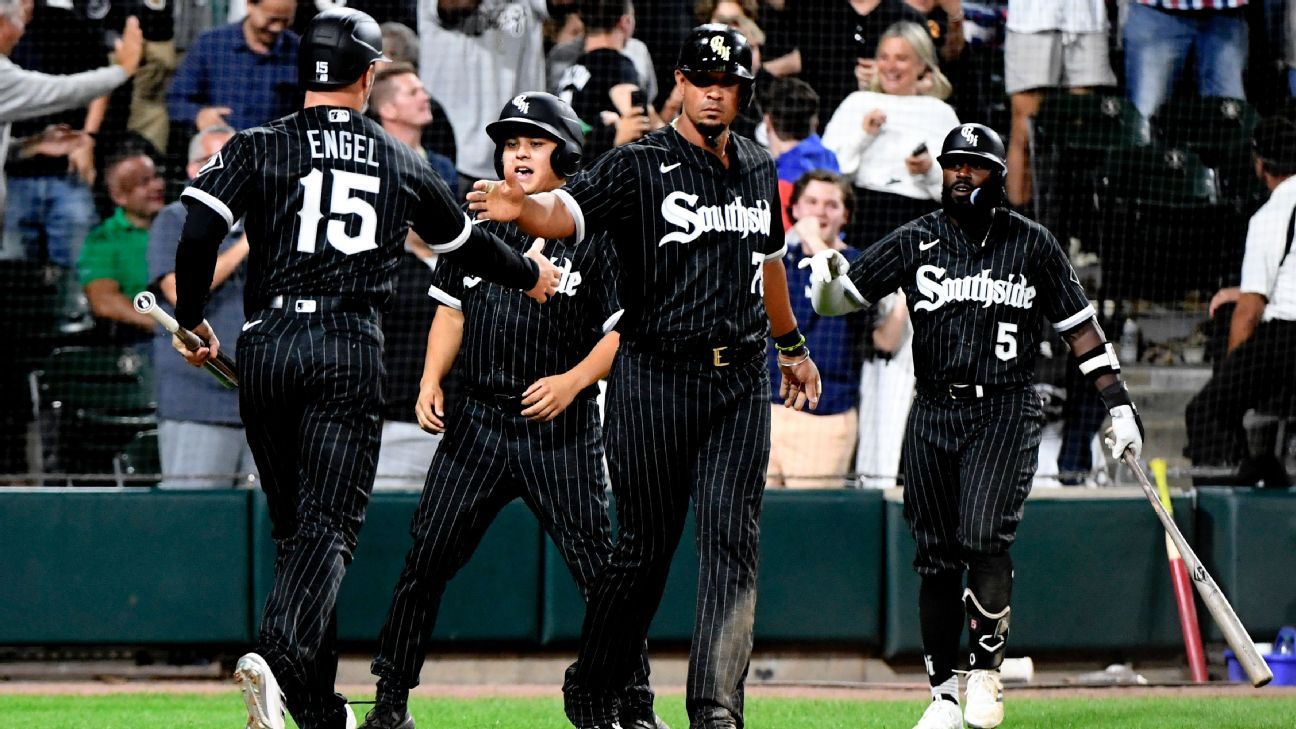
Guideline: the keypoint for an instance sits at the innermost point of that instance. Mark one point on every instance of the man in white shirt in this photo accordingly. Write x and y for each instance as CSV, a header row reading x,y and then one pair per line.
x,y
1261,360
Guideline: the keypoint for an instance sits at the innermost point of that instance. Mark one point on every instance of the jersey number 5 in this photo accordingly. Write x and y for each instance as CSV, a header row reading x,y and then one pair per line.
x,y
1006,341
342,202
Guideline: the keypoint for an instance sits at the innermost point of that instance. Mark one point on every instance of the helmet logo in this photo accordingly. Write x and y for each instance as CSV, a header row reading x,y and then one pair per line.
x,y
321,70
969,133
520,101
719,47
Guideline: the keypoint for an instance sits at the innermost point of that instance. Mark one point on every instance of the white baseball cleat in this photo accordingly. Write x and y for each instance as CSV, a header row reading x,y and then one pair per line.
x,y
261,693
941,714
350,717
983,703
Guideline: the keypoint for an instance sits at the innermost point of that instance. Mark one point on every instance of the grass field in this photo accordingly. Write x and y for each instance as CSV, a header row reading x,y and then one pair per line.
x,y
195,711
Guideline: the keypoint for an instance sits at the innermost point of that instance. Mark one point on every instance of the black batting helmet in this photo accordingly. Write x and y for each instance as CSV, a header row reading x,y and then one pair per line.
x,y
717,48
337,49
546,115
974,140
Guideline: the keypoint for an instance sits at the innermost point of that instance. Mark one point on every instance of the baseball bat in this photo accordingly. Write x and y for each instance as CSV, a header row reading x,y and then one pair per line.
x,y
1235,633
1179,579
222,368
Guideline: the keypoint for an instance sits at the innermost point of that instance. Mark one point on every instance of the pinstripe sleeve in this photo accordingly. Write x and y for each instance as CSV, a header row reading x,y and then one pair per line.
x,y
878,270
224,182
448,284
1063,298
776,244
602,195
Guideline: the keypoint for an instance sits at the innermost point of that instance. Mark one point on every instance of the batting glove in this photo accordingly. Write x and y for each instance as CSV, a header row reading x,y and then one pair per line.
x,y
825,266
1127,431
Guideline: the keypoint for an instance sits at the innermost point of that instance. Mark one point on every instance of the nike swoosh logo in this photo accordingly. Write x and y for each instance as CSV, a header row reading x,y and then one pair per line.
x,y
925,246
251,324
667,168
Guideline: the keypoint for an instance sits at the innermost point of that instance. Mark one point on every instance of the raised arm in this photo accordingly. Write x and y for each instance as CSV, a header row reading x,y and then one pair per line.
x,y
543,214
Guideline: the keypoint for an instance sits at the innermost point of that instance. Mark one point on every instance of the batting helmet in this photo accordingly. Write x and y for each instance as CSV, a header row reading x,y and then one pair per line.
x,y
337,49
717,48
540,114
974,140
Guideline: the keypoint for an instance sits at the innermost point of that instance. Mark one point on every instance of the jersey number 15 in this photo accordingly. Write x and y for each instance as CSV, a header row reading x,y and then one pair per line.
x,y
341,202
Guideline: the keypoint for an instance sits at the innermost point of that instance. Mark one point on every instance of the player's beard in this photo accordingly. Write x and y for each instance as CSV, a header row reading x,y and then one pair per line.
x,y
977,208
711,133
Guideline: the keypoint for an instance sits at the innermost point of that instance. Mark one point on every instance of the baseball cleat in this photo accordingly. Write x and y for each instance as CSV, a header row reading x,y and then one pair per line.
x,y
350,717
941,714
648,720
388,716
983,703
261,693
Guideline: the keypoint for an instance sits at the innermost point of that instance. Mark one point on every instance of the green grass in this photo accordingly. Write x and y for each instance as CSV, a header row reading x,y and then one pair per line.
x,y
189,711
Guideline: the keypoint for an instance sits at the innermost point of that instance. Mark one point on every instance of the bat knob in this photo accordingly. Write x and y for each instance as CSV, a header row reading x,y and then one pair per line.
x,y
144,302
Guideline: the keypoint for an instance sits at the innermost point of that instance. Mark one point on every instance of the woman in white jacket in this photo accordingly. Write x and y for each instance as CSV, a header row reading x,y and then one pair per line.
x,y
883,136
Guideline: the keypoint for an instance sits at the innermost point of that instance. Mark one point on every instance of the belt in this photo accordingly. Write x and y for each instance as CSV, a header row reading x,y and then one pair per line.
x,y
322,304
718,356
511,404
964,391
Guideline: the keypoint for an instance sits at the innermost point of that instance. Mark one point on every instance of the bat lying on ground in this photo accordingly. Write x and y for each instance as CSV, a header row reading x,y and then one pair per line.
x,y
222,368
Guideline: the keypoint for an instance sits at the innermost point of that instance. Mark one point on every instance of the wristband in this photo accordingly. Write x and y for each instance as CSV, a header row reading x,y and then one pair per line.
x,y
791,343
1113,396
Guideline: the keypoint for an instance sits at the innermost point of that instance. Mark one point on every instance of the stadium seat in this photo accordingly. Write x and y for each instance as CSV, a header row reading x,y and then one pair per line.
x,y
1070,137
1219,130
140,458
89,403
47,306
1162,230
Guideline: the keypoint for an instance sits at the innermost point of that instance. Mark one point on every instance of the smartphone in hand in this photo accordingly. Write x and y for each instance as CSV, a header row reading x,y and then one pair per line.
x,y
919,150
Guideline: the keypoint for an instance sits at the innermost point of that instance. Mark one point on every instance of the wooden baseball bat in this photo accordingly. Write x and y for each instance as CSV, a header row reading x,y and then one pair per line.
x,y
1218,605
222,368
1188,624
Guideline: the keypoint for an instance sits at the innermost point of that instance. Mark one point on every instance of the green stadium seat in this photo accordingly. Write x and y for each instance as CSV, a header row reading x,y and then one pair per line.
x,y
140,458
1219,130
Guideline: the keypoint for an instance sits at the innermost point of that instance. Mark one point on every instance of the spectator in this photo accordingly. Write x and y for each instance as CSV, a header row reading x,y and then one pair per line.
x,y
1261,360
822,202
564,54
883,137
241,74
836,52
886,391
944,21
1159,35
792,125
402,106
50,208
26,94
602,82
1049,44
200,436
400,43
114,260
474,57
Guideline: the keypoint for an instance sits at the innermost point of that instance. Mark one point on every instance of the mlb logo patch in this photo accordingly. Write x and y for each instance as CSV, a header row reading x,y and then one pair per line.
x,y
339,115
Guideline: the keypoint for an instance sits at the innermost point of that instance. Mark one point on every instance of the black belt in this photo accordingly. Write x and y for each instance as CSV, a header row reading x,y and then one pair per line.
x,y
715,356
964,391
321,304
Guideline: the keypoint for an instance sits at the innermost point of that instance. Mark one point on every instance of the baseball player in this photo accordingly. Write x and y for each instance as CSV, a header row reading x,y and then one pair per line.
x,y
527,424
325,196
692,211
977,278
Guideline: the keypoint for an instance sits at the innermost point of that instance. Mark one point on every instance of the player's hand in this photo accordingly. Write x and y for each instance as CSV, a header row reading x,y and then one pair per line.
x,y
547,397
211,116
429,407
550,275
919,165
874,121
129,49
1126,431
497,199
825,265
800,382
197,357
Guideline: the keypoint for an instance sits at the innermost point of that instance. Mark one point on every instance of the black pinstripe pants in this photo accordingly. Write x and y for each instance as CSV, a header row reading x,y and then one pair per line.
x,y
309,396
969,465
488,458
678,431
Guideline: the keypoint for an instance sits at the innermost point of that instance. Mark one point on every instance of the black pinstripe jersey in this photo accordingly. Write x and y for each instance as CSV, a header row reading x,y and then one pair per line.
x,y
691,236
509,340
328,198
976,305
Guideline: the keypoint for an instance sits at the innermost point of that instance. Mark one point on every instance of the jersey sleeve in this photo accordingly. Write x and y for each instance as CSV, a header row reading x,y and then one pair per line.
x,y
1063,298
437,217
879,268
225,182
776,242
602,195
448,284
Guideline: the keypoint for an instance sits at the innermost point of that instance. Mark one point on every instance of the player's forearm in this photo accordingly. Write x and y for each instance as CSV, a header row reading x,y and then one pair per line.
x,y
444,339
1246,317
598,363
778,304
489,257
1097,360
195,264
545,216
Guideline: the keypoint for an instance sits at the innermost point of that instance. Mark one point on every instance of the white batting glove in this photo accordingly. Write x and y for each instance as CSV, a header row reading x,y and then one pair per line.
x,y
825,266
1126,431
